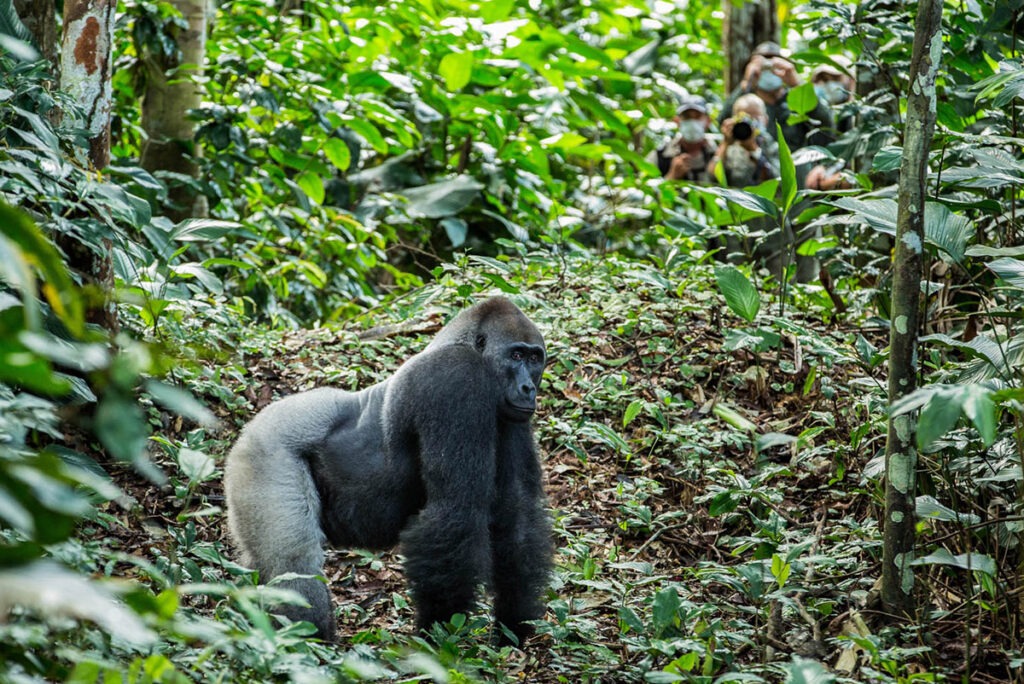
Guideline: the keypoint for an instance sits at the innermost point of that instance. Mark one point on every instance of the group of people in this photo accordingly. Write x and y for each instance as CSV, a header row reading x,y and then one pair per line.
x,y
748,152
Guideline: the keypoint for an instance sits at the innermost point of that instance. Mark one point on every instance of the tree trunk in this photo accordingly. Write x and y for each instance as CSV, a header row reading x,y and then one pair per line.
x,y
747,23
40,18
171,91
900,450
85,67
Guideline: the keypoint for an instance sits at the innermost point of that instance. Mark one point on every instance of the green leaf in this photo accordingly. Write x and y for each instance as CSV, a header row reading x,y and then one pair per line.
x,y
938,417
802,671
312,185
724,502
1010,270
632,411
496,10
121,426
444,198
665,609
929,507
181,402
456,68
787,171
741,296
978,562
24,248
642,60
456,229
203,230
802,100
501,283
197,466
947,231
337,152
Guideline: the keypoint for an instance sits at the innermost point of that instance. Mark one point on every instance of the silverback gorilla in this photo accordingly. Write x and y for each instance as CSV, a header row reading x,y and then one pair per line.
x,y
439,457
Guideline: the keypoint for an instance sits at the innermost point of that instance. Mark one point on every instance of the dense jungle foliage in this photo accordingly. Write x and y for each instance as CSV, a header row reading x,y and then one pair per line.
x,y
711,433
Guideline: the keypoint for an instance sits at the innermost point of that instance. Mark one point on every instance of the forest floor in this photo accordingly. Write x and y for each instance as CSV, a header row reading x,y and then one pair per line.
x,y
714,482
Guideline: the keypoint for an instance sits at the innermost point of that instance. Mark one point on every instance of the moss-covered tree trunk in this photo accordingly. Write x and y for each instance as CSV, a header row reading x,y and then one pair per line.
x,y
900,450
747,23
171,91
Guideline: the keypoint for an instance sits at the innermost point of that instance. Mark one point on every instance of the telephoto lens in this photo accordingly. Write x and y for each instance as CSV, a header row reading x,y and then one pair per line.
x,y
742,130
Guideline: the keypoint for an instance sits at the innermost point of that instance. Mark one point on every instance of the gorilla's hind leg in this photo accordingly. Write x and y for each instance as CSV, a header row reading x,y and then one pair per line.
x,y
277,528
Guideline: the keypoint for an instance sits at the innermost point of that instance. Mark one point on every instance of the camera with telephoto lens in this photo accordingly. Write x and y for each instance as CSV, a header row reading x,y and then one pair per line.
x,y
742,130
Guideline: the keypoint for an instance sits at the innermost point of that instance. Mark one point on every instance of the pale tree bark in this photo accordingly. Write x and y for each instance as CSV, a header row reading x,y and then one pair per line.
x,y
747,23
85,67
900,450
171,91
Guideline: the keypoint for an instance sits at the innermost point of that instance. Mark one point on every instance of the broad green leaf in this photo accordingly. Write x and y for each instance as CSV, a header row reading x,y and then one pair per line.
x,y
724,502
938,417
665,610
122,427
202,230
802,100
947,231
197,466
24,248
987,251
337,152
978,562
930,508
181,402
641,61
312,185
501,284
741,296
444,198
496,10
632,411
802,671
977,404
1009,269
456,68
780,570
456,230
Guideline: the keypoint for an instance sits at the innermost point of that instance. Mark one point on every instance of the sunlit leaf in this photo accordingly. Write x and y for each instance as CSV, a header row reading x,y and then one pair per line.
x,y
456,68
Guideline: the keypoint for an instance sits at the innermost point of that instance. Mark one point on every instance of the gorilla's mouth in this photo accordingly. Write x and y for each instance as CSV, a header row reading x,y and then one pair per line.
x,y
521,408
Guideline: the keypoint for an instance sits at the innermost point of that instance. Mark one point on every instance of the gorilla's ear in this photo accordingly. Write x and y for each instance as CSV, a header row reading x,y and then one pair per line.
x,y
480,342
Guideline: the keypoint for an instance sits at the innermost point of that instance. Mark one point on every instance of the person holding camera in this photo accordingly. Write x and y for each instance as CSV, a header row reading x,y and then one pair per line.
x,y
748,154
770,76
686,157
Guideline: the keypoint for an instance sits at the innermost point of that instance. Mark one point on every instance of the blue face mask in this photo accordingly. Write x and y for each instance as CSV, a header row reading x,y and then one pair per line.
x,y
769,81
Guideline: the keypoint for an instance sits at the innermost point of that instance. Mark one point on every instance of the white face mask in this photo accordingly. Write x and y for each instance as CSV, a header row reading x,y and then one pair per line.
x,y
691,130
833,92
769,81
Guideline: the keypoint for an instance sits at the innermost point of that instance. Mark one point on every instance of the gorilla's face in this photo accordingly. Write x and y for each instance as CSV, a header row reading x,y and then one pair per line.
x,y
519,370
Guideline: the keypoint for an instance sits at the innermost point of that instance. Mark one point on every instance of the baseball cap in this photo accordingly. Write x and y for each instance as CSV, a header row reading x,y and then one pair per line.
x,y
768,49
694,102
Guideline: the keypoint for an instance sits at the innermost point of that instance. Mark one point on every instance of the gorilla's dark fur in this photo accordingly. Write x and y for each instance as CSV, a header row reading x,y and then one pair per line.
x,y
440,457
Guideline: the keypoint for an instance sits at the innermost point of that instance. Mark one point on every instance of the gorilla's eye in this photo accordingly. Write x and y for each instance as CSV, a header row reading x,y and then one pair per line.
x,y
517,355
534,358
